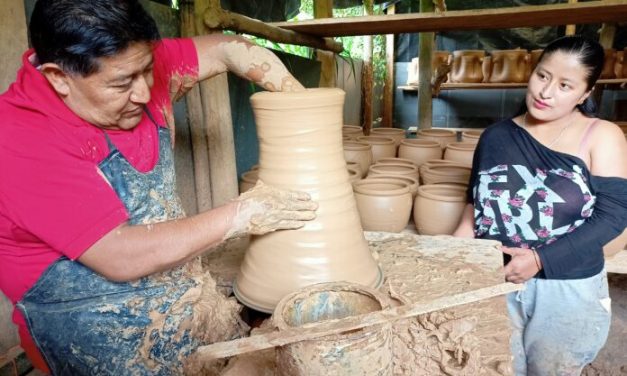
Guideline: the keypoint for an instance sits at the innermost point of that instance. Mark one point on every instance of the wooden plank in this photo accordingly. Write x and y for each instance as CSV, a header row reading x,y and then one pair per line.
x,y
388,88
330,327
13,40
427,41
499,18
617,263
571,29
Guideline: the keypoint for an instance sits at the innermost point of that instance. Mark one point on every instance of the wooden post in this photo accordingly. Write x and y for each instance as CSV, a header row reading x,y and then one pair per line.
x,y
425,109
571,29
324,9
219,126
388,88
367,76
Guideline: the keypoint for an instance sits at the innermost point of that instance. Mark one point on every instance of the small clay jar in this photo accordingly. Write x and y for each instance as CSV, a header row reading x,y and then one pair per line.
x,y
608,64
509,66
616,245
393,169
446,174
383,205
438,208
249,179
395,133
419,151
443,136
412,181
382,146
461,152
352,131
472,136
396,160
467,66
358,152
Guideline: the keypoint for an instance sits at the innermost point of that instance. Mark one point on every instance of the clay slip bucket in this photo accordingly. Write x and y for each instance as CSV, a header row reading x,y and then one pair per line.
x,y
364,352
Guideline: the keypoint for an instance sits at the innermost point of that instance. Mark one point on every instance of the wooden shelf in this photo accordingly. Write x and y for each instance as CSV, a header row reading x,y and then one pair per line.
x,y
499,18
480,86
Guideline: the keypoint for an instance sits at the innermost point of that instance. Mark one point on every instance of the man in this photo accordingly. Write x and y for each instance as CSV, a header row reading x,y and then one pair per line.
x,y
95,250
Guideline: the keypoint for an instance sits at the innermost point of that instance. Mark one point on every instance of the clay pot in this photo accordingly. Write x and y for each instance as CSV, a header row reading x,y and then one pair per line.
x,y
366,351
443,136
438,208
352,131
419,151
249,179
439,58
412,181
412,72
382,146
445,174
383,205
437,162
609,63
620,67
467,66
472,136
393,169
358,152
396,160
616,245
461,152
534,57
354,171
331,247
509,66
397,134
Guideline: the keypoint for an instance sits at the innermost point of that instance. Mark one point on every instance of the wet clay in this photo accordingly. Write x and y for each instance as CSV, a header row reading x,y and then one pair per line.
x,y
301,149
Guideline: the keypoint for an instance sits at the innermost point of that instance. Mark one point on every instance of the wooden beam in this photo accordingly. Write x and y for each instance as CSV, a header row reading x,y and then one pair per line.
x,y
367,76
328,74
425,102
321,329
499,18
571,29
217,18
388,88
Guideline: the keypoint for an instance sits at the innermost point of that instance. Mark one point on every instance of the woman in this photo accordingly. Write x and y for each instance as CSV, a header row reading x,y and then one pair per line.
x,y
550,184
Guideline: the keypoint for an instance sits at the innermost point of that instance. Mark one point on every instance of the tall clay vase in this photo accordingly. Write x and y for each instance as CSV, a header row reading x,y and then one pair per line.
x,y
419,151
438,208
300,148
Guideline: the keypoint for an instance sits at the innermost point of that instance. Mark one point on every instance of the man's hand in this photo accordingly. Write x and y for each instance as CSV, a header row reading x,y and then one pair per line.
x,y
523,265
265,209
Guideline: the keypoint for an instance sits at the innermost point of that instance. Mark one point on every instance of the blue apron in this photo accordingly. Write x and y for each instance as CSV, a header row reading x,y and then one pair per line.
x,y
84,324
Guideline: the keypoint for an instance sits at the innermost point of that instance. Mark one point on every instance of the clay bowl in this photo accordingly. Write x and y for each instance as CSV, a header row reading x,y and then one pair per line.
x,y
249,179
382,146
446,174
616,245
358,152
412,181
461,152
396,133
472,136
419,150
403,161
393,169
435,162
352,131
438,208
383,205
443,136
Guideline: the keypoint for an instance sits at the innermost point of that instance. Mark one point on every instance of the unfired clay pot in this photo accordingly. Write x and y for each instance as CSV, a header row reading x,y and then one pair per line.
x,y
364,352
358,152
467,66
419,150
249,179
393,169
436,162
396,160
461,152
509,66
353,174
352,131
620,67
443,136
412,181
397,134
472,136
608,65
438,208
383,205
382,146
300,148
616,245
445,174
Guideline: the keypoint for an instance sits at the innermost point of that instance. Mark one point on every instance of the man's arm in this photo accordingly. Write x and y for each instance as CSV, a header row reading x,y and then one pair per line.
x,y
218,53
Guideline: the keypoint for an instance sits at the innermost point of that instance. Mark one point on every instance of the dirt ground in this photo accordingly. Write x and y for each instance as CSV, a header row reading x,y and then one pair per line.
x,y
612,360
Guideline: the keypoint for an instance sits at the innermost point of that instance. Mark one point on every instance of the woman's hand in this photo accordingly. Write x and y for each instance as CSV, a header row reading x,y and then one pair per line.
x,y
525,263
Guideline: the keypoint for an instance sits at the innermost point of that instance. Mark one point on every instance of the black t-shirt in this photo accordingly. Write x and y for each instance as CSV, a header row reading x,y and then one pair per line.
x,y
529,196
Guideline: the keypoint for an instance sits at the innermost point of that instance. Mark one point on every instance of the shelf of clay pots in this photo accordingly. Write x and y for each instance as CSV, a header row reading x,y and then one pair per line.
x,y
490,85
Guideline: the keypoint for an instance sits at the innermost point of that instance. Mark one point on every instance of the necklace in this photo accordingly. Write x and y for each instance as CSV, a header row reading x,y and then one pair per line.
x,y
524,125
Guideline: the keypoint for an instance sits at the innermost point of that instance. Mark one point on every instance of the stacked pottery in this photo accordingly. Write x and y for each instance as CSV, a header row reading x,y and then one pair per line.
x,y
438,208
412,181
300,149
620,68
396,134
461,152
443,174
396,160
608,64
360,153
354,171
249,179
419,151
393,169
383,205
352,131
472,136
467,66
382,146
509,66
443,136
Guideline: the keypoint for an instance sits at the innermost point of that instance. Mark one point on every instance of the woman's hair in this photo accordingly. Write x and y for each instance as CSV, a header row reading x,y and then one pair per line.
x,y
590,55
75,33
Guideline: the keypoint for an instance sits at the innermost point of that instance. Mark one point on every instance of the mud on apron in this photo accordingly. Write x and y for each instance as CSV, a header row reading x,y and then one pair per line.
x,y
85,324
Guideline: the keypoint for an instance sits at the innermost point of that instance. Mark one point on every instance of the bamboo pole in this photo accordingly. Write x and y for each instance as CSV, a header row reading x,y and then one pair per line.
x,y
328,76
425,109
388,88
367,76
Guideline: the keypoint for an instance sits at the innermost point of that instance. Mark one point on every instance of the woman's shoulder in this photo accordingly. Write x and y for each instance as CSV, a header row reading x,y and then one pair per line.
x,y
499,129
608,149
